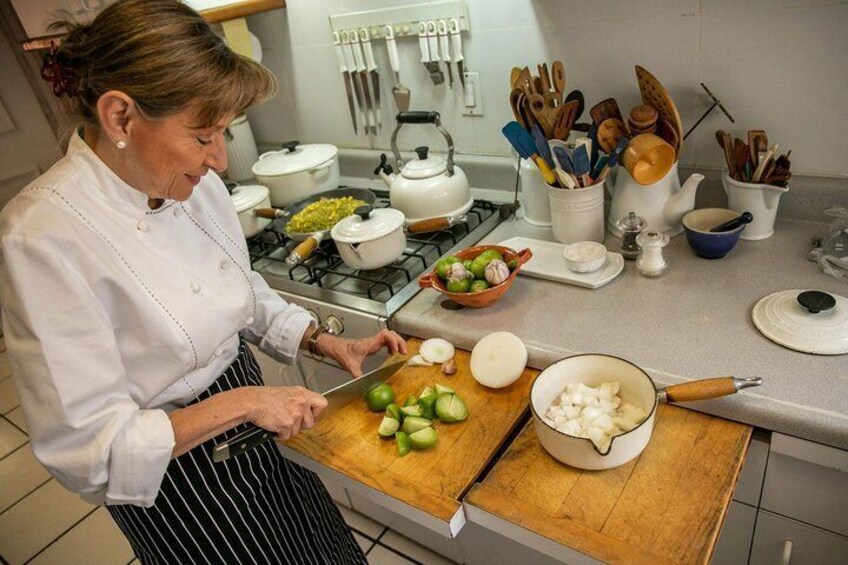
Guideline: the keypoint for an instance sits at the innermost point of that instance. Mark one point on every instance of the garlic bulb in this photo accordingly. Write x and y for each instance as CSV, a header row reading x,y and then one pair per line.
x,y
457,271
496,272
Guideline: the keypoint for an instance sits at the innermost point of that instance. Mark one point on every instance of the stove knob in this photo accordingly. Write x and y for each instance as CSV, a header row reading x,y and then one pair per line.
x,y
314,315
334,325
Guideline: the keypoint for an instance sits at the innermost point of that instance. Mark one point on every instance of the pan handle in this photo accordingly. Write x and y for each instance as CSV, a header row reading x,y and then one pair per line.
x,y
269,213
304,249
435,224
706,388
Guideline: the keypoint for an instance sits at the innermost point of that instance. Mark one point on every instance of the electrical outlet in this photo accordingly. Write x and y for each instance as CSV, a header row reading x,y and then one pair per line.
x,y
473,97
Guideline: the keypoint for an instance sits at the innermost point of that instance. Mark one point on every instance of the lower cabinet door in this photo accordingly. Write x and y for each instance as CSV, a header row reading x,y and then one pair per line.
x,y
734,542
779,540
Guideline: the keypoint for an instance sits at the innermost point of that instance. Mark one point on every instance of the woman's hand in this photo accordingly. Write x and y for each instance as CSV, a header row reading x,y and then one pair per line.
x,y
350,353
286,410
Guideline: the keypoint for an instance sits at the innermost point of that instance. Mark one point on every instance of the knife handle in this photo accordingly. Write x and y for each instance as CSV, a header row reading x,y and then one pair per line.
x,y
422,42
348,52
365,38
357,50
337,44
241,442
456,39
391,45
433,41
442,28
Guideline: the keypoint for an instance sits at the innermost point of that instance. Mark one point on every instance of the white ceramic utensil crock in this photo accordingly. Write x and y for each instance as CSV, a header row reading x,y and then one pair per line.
x,y
245,199
370,239
637,388
298,171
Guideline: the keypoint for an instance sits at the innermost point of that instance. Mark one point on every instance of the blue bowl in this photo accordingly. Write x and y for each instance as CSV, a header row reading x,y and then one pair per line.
x,y
705,243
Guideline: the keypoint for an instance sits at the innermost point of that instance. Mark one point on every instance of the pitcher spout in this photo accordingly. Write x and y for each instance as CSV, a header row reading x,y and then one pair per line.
x,y
682,201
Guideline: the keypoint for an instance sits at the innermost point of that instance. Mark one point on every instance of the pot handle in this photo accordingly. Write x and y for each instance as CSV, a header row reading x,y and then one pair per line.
x,y
304,249
323,168
421,117
435,224
706,388
269,213
426,280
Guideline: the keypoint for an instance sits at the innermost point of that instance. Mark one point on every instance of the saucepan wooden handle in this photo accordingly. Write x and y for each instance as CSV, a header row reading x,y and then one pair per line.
x,y
269,213
304,250
433,224
707,388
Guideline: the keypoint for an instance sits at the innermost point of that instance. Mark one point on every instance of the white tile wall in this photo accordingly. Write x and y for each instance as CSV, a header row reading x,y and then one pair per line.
x,y
776,64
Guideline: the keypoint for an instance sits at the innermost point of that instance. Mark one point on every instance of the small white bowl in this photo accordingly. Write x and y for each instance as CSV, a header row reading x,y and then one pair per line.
x,y
585,256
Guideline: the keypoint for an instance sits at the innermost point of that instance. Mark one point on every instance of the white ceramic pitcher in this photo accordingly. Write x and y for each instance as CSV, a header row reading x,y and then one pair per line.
x,y
761,200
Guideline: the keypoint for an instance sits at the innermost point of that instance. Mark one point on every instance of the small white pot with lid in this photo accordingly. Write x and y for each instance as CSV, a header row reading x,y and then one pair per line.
x,y
370,239
245,199
298,171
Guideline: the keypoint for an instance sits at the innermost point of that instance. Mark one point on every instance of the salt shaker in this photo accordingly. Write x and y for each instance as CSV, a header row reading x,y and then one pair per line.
x,y
651,262
630,226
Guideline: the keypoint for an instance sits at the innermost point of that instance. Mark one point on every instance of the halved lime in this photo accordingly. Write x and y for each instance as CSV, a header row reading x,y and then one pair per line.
x,y
411,401
414,410
428,390
428,405
442,389
450,408
414,423
388,426
393,411
403,442
424,438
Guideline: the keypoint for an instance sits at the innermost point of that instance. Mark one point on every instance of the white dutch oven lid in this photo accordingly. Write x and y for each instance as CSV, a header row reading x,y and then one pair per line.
x,y
368,227
294,158
248,196
807,321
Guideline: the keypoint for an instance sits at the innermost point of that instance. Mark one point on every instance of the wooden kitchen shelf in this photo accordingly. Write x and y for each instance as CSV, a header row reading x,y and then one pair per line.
x,y
426,485
667,506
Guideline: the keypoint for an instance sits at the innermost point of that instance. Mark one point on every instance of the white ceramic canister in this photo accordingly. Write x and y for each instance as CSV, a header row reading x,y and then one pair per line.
x,y
298,171
761,200
241,149
534,191
245,199
577,214
370,239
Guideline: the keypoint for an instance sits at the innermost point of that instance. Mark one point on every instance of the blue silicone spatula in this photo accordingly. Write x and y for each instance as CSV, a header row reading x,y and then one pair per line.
x,y
580,160
526,148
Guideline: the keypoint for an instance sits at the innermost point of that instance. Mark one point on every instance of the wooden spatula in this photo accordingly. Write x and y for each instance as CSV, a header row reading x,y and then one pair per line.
x,y
655,94
757,143
558,76
725,141
740,158
565,118
604,110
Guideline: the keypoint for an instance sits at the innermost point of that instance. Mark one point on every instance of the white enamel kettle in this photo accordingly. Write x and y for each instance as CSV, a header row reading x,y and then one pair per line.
x,y
427,187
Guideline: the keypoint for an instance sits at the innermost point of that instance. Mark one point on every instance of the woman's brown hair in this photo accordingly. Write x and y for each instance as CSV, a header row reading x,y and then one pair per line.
x,y
164,56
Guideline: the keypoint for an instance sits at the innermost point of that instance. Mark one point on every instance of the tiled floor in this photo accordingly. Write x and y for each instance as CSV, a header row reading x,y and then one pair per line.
x,y
42,523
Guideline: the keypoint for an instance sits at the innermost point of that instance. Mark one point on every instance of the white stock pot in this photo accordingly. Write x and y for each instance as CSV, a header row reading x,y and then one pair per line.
x,y
298,171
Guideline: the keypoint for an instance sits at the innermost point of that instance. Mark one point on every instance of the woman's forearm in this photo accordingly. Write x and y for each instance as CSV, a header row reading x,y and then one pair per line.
x,y
211,417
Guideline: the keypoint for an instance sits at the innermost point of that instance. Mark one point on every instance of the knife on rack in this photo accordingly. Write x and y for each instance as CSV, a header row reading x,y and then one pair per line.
x,y
371,67
338,397
350,64
337,43
456,40
363,79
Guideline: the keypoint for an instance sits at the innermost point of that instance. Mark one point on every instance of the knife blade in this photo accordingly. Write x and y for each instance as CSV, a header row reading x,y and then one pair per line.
x,y
351,69
371,67
363,79
337,43
338,397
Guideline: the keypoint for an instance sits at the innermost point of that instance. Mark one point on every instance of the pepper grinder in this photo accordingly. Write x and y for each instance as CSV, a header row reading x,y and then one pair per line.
x,y
630,226
651,262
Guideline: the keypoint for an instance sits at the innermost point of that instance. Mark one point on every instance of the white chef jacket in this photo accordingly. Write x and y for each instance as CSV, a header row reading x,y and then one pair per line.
x,y
114,313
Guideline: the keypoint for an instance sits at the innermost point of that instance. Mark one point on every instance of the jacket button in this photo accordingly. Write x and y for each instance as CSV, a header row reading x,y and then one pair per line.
x,y
177,211
224,265
249,321
143,226
218,352
195,288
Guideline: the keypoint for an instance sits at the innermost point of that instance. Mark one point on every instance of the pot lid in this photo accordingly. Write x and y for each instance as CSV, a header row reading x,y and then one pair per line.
x,y
367,224
424,167
293,158
807,321
248,196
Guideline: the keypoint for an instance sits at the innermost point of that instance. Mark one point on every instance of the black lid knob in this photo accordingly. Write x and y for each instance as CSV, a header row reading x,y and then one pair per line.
x,y
230,185
816,301
291,145
364,212
422,152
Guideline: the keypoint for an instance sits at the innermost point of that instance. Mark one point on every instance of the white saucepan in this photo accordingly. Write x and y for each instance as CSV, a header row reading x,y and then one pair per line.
x,y
637,388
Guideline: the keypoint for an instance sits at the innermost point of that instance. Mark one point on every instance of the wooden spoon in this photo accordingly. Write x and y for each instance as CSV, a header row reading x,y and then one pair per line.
x,y
558,76
725,141
605,109
539,108
609,132
565,117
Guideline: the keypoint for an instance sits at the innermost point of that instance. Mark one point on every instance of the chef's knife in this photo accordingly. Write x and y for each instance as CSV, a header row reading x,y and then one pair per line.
x,y
442,31
371,67
363,79
351,69
343,69
456,39
340,396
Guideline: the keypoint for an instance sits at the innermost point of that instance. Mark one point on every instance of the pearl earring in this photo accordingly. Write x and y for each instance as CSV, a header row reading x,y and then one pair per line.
x,y
121,144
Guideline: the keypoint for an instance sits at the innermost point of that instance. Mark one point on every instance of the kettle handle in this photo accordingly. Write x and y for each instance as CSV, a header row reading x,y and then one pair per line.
x,y
421,117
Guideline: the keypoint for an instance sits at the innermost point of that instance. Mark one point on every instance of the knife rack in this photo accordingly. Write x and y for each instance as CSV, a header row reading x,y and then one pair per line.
x,y
403,19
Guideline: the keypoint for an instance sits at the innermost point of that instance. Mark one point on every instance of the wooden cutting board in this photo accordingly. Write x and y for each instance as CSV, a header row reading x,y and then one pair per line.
x,y
666,506
433,480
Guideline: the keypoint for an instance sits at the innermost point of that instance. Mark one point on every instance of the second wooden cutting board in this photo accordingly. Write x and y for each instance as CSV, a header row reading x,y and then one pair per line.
x,y
345,446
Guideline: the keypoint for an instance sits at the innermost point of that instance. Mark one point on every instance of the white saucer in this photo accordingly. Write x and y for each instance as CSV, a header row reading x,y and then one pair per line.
x,y
547,263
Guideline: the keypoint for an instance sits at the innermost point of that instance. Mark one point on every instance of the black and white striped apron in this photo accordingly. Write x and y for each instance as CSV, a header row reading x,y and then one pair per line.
x,y
257,507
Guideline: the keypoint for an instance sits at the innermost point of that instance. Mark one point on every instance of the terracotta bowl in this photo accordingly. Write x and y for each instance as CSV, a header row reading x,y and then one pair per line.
x,y
488,296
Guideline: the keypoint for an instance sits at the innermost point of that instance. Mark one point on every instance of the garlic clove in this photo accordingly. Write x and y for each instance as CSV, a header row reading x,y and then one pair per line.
x,y
449,367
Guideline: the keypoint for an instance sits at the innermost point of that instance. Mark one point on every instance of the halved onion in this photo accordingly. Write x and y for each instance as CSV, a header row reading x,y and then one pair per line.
x,y
498,360
437,350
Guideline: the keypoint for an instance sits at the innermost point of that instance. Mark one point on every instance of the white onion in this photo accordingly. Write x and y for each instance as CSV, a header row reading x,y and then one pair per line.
x,y
597,414
437,350
498,360
418,361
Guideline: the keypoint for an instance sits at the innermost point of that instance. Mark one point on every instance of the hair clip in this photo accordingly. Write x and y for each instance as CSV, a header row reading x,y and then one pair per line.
x,y
61,76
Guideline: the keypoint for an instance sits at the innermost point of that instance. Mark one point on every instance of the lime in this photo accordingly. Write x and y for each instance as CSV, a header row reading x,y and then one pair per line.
x,y
490,254
512,265
458,285
467,264
428,390
442,266
478,267
478,286
442,389
411,401
422,439
450,408
393,411
379,397
428,405
388,427
403,443
414,410
413,423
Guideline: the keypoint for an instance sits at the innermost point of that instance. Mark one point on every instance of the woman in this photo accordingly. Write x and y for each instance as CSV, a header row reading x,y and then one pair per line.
x,y
128,296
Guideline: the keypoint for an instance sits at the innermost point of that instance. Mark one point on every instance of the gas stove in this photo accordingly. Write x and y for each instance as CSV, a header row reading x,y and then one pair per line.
x,y
325,281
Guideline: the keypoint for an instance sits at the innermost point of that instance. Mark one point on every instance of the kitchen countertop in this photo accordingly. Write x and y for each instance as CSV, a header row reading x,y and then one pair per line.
x,y
693,322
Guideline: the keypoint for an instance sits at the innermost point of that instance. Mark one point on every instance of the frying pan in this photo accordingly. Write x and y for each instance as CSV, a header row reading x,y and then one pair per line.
x,y
311,240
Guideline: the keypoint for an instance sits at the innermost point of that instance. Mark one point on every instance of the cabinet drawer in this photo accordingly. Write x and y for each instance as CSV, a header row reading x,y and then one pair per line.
x,y
734,541
809,545
807,482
